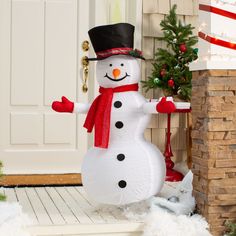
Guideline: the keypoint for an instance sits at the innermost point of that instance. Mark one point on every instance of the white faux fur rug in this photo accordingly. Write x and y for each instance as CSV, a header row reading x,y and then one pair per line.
x,y
162,223
12,221
158,221
163,217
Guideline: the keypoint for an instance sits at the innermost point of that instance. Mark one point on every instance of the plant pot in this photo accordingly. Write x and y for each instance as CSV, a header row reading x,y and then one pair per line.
x,y
176,97
167,93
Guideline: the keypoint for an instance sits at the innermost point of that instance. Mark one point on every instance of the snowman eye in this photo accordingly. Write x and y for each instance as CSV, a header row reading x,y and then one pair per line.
x,y
122,64
110,65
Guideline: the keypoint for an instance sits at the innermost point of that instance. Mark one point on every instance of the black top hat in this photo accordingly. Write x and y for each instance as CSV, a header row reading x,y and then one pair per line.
x,y
117,39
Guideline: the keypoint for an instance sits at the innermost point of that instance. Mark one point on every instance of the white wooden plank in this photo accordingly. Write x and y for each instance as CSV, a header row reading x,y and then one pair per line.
x,y
49,205
163,6
26,205
95,234
109,218
39,209
61,206
85,206
150,6
116,234
188,8
87,229
11,195
85,196
73,205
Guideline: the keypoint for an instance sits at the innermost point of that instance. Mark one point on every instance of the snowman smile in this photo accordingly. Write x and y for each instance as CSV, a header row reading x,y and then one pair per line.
x,y
116,80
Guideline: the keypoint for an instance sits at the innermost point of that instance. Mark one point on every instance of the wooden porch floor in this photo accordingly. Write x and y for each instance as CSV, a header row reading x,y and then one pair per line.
x,y
67,211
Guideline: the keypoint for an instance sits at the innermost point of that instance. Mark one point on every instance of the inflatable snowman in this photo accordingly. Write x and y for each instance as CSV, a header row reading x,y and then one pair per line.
x,y
122,167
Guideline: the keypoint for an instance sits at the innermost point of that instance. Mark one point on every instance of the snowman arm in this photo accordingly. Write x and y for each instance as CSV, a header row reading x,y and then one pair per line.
x,y
81,107
150,108
164,105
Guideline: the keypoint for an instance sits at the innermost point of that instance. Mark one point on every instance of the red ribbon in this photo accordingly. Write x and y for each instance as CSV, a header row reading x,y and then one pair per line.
x,y
99,114
113,51
217,11
216,41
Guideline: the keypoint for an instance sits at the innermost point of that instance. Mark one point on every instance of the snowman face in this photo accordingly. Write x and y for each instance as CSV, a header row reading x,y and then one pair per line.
x,y
117,70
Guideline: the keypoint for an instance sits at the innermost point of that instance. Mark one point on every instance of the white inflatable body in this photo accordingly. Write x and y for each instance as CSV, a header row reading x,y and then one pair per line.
x,y
131,169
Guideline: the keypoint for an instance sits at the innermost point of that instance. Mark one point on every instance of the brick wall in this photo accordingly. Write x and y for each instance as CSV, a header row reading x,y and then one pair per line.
x,y
153,12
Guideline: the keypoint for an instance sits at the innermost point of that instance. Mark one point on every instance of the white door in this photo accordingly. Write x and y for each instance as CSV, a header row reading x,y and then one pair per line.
x,y
40,54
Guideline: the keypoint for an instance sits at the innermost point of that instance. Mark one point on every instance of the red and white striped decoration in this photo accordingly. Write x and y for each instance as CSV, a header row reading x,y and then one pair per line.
x,y
221,12
217,35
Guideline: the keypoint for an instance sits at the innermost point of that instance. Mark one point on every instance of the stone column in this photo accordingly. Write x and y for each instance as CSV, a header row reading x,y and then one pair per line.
x,y
214,146
214,114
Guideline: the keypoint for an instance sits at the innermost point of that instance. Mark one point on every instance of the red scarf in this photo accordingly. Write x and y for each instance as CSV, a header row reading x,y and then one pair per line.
x,y
99,114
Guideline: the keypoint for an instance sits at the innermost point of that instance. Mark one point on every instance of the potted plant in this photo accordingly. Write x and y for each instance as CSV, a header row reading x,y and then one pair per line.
x,y
171,66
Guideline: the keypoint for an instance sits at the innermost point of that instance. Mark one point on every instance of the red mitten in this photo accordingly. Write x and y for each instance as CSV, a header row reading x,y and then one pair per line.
x,y
165,106
64,106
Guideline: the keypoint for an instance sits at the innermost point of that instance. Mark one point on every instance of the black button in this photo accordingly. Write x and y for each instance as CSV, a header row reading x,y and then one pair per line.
x,y
120,157
117,104
122,184
119,124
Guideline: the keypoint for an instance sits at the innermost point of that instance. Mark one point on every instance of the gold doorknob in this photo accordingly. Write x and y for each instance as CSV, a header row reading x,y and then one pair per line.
x,y
85,65
85,79
85,61
85,45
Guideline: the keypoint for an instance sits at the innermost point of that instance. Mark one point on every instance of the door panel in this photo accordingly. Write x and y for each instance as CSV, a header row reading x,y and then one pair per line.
x,y
26,52
60,49
54,134
25,128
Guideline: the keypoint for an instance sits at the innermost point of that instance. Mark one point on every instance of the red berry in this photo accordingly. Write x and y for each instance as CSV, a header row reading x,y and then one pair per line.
x,y
183,47
163,72
171,83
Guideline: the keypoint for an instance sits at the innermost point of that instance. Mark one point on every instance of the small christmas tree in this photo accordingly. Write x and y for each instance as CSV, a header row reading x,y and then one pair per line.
x,y
2,197
171,66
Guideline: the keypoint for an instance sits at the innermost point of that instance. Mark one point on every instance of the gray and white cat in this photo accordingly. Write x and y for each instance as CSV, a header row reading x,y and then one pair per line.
x,y
181,201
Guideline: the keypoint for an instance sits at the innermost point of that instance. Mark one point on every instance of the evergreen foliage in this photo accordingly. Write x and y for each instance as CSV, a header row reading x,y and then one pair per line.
x,y
2,197
231,228
171,66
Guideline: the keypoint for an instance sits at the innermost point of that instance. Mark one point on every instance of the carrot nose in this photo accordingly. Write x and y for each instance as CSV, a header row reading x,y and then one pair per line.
x,y
116,73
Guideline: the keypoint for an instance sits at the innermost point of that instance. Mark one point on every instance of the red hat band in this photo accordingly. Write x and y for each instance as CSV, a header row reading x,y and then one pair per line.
x,y
113,51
